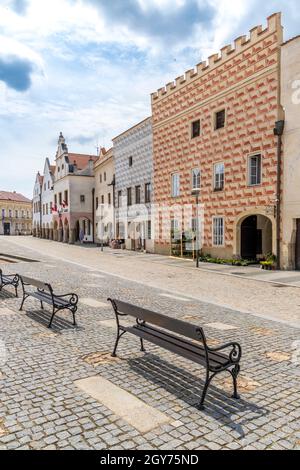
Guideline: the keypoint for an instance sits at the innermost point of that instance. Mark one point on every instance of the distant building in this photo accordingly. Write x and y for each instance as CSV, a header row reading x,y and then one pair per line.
x,y
73,214
133,154
104,171
36,206
16,214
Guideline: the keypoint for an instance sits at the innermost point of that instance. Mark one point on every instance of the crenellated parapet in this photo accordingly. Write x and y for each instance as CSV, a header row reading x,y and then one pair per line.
x,y
228,52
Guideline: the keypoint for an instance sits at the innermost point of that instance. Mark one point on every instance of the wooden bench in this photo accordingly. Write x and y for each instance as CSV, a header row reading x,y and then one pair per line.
x,y
9,280
44,293
197,350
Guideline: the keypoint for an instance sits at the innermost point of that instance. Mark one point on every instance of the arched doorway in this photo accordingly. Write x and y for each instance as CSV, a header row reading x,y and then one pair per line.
x,y
66,231
55,231
256,237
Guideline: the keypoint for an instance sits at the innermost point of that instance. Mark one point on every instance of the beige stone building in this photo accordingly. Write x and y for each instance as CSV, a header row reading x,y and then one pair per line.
x,y
16,214
104,173
290,99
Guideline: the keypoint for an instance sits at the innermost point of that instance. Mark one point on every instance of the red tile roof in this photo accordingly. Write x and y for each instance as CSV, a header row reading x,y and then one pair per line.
x,y
15,197
81,160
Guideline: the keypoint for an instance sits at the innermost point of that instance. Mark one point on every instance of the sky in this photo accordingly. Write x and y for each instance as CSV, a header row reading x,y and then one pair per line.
x,y
87,67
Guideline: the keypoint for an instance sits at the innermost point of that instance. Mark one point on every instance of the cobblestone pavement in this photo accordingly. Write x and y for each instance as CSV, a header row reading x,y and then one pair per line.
x,y
41,408
249,295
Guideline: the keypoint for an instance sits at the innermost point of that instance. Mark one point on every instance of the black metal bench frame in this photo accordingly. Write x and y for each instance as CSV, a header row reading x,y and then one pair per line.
x,y
9,280
44,293
197,351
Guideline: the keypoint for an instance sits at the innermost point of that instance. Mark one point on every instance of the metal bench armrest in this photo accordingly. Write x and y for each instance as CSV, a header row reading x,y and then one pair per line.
x,y
73,297
235,353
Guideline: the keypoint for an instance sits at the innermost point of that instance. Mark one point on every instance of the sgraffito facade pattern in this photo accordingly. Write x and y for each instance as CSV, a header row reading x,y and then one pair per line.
x,y
243,81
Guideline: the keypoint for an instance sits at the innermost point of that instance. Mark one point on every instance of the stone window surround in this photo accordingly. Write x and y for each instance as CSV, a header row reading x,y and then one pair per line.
x,y
215,217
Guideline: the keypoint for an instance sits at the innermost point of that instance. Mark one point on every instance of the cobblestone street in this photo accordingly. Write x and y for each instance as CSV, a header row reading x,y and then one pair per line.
x,y
41,406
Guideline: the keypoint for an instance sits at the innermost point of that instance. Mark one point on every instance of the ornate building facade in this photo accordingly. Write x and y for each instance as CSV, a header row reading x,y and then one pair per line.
x,y
133,154
16,214
213,131
104,171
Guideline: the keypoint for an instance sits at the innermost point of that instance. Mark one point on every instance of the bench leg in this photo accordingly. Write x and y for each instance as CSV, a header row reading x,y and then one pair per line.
x,y
16,289
23,300
119,336
206,385
74,320
42,306
235,372
142,346
51,320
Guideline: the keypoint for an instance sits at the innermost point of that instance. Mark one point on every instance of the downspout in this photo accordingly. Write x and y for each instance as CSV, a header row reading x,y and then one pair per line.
x,y
278,131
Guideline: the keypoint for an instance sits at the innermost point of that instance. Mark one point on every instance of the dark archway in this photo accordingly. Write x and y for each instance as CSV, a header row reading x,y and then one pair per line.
x,y
250,238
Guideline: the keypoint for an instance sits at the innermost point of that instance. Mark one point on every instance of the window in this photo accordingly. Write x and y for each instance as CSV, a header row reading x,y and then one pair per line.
x,y
130,161
60,199
196,178
119,198
194,225
220,119
109,199
82,198
137,194
100,177
196,129
105,176
129,197
219,171
66,198
175,191
148,192
218,231
175,234
102,199
97,203
254,170
149,230
16,214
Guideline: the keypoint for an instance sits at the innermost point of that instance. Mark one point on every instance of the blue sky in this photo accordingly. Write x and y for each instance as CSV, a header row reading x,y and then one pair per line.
x,y
87,67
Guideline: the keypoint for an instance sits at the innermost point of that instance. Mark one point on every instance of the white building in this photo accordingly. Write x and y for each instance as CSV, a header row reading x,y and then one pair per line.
x,y
47,200
36,206
73,209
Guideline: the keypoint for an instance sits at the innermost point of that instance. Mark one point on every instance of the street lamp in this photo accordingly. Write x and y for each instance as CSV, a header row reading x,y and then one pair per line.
x,y
196,194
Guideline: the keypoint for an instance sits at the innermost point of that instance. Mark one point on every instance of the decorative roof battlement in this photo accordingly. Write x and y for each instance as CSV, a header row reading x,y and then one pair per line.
x,y
227,52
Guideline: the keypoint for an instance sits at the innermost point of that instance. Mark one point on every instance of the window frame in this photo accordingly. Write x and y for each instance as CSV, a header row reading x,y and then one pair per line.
x,y
193,170
137,191
192,129
148,192
129,197
173,195
214,218
254,155
215,120
215,187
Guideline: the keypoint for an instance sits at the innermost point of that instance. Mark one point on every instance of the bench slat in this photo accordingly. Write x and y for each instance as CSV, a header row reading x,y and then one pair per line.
x,y
172,324
194,354
216,359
